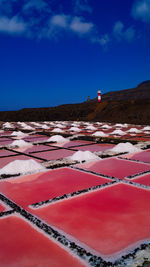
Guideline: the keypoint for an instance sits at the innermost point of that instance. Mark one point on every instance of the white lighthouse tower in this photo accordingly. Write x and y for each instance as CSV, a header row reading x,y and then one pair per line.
x,y
99,96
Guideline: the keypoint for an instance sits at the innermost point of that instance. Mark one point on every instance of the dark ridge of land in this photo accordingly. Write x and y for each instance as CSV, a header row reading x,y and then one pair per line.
x,y
130,106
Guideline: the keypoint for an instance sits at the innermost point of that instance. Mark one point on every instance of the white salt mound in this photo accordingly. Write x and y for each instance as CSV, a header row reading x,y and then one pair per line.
x,y
74,129
59,125
19,133
125,147
84,156
21,166
44,127
57,130
27,127
7,125
20,143
134,130
146,128
91,127
58,139
118,124
106,126
118,132
100,133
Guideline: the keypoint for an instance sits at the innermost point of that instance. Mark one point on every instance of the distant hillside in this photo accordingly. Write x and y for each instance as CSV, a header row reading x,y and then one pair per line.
x,y
130,105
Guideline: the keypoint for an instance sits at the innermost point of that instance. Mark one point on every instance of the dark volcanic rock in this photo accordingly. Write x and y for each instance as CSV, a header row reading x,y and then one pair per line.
x,y
130,105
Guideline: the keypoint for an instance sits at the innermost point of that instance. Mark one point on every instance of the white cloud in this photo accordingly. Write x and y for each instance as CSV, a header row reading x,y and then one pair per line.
x,y
103,40
73,24
118,30
141,10
59,21
121,34
79,26
129,34
6,6
36,4
12,26
82,6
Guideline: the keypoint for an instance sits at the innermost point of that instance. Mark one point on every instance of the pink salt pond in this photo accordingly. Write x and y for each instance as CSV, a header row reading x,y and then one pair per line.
x,y
95,147
72,144
115,167
47,185
2,139
7,142
55,154
109,221
2,207
141,156
143,179
23,245
35,148
36,138
4,153
6,160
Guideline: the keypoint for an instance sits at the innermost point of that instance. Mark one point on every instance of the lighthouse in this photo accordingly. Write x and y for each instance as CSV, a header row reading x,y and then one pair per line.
x,y
99,95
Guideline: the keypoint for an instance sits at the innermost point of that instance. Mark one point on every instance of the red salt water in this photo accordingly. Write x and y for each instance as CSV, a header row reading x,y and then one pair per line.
x,y
143,179
118,168
55,154
4,152
23,245
109,220
72,143
4,143
5,133
7,160
95,147
36,138
34,148
2,207
4,139
42,186
141,156
140,139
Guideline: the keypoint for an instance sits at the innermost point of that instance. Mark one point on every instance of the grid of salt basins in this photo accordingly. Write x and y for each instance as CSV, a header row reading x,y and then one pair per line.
x,y
74,194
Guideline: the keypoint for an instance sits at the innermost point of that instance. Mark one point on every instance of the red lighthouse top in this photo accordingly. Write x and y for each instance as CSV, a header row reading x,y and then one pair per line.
x,y
99,95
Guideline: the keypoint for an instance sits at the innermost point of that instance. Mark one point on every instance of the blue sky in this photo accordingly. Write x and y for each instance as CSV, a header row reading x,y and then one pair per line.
x,y
55,52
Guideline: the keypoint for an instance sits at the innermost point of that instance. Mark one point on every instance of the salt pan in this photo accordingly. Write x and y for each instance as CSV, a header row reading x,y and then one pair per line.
x,y
21,166
125,147
20,143
100,133
57,130
58,139
84,156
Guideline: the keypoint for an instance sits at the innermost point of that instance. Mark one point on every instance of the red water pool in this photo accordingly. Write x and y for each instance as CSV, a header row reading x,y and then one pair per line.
x,y
4,143
42,186
5,161
4,152
55,154
4,139
118,168
36,138
144,179
108,220
23,245
141,156
72,143
2,207
95,147
34,148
